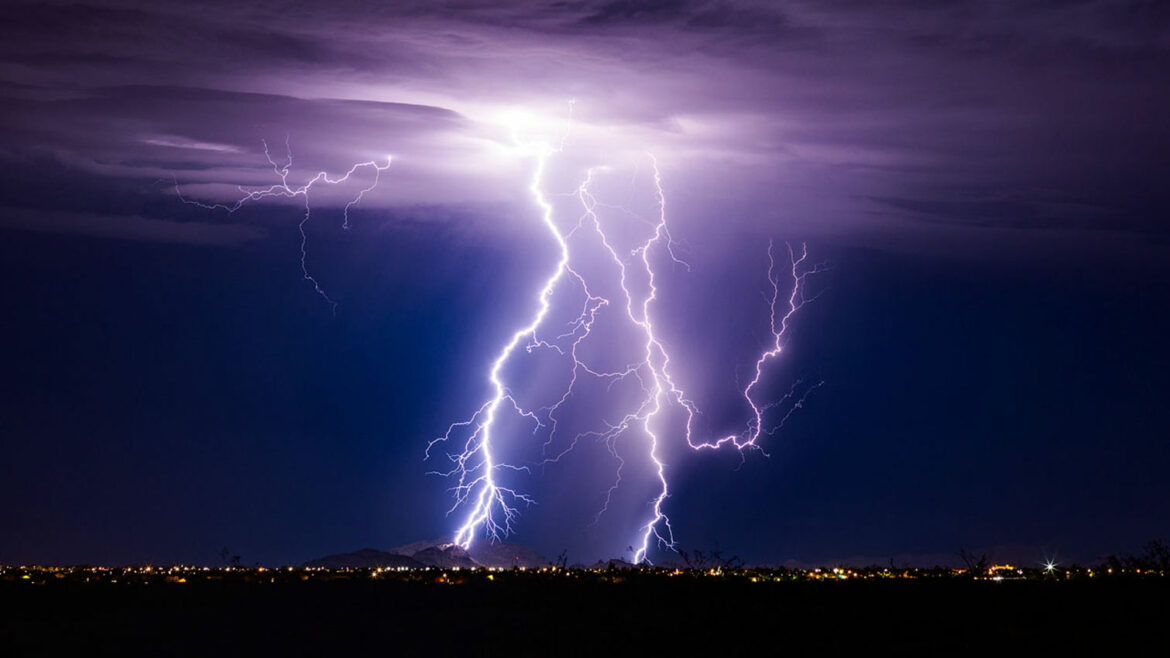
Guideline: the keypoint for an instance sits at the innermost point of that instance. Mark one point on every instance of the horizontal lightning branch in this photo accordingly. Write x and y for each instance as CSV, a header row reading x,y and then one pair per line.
x,y
284,189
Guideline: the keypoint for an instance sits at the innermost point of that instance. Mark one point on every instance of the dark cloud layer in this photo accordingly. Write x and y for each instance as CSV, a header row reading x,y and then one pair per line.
x,y
803,113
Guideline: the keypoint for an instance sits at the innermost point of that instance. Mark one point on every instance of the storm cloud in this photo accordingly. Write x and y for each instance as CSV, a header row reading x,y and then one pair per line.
x,y
823,118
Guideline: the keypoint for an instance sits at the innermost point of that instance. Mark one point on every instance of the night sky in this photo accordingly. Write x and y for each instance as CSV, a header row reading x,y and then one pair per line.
x,y
987,184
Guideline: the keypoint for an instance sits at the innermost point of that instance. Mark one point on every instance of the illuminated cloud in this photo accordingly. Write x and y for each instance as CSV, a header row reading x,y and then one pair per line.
x,y
800,115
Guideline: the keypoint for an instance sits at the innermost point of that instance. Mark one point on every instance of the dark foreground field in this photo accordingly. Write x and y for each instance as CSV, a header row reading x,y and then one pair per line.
x,y
520,616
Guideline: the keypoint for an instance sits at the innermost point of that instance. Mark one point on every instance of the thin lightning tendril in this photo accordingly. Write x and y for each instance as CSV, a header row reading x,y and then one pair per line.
x,y
796,300
286,190
489,504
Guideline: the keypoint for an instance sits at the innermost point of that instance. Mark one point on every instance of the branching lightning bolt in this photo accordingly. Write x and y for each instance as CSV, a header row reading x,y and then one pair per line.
x,y
796,300
286,190
492,506
652,371
481,496
663,389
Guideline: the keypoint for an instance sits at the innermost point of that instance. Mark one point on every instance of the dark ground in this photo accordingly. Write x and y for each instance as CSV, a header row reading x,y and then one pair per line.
x,y
549,617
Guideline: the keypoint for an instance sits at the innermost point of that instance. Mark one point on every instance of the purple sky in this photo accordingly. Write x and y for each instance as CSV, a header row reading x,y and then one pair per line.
x,y
987,179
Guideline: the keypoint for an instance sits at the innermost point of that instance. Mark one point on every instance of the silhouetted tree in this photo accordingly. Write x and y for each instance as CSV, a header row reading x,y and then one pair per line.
x,y
229,558
710,560
1155,558
974,566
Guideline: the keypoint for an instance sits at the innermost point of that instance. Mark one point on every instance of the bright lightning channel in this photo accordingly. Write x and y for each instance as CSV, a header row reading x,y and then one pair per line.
x,y
492,505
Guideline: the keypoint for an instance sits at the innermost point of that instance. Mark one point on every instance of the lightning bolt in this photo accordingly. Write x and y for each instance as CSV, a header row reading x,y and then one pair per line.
x,y
662,390
796,300
479,490
493,506
286,190
652,371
